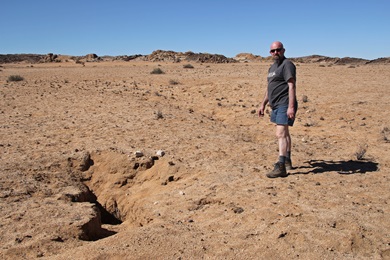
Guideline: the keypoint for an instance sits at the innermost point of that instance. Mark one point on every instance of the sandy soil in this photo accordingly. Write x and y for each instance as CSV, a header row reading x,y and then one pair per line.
x,y
72,187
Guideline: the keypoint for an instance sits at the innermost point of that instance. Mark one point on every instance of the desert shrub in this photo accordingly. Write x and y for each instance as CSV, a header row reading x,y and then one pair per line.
x,y
305,99
159,115
385,134
351,67
361,151
322,66
309,124
157,71
15,78
188,66
173,82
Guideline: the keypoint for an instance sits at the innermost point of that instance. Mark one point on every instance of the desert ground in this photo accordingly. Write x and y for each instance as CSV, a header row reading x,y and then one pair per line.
x,y
106,160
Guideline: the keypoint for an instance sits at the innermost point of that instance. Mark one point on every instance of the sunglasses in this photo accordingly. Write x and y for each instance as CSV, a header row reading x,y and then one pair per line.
x,y
276,50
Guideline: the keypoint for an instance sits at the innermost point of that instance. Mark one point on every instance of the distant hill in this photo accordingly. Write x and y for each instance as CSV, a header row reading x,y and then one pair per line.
x,y
171,56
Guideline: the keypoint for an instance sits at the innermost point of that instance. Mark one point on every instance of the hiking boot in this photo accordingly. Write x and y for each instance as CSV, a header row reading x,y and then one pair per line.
x,y
288,165
278,171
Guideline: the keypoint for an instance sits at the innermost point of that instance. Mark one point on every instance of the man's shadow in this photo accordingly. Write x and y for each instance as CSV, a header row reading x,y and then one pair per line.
x,y
341,167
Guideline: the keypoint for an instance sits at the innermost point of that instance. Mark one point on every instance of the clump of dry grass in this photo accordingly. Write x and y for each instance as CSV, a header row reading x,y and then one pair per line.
x,y
173,82
15,78
159,115
157,71
385,134
360,152
309,124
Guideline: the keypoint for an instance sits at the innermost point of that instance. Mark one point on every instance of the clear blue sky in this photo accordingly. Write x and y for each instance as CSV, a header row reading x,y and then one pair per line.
x,y
342,28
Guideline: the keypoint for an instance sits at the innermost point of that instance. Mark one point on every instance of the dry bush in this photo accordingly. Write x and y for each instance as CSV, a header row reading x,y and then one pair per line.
x,y
159,115
360,152
305,99
15,78
173,82
157,71
309,124
385,134
188,66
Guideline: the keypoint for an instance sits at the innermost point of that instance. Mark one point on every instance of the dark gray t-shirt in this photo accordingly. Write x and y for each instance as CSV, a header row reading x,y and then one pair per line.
x,y
278,75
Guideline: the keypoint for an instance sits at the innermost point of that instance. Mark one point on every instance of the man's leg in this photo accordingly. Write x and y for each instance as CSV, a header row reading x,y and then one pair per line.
x,y
288,154
284,141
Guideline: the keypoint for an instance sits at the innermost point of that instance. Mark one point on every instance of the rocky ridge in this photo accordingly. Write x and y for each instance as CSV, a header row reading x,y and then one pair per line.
x,y
172,56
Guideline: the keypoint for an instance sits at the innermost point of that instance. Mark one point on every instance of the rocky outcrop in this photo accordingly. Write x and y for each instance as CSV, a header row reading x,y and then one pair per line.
x,y
380,61
208,58
160,55
50,57
14,58
172,56
246,57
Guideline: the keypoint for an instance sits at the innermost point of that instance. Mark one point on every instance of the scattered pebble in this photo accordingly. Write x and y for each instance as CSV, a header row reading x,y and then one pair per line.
x,y
160,153
138,154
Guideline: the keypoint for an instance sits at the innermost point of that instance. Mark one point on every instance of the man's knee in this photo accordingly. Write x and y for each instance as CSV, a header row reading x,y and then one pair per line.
x,y
281,131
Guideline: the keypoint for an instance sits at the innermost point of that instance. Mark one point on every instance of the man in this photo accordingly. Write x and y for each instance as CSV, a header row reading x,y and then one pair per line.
x,y
281,95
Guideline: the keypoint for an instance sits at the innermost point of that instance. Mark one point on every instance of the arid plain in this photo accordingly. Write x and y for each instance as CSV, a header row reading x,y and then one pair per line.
x,y
73,187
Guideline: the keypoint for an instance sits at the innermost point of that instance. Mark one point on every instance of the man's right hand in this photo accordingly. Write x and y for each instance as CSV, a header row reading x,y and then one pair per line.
x,y
261,112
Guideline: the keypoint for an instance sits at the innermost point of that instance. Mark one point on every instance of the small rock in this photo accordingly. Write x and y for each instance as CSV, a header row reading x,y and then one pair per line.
x,y
138,154
86,162
283,234
238,210
160,153
57,239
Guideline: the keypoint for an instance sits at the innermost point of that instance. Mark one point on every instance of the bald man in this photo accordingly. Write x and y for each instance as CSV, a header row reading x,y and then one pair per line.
x,y
281,96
